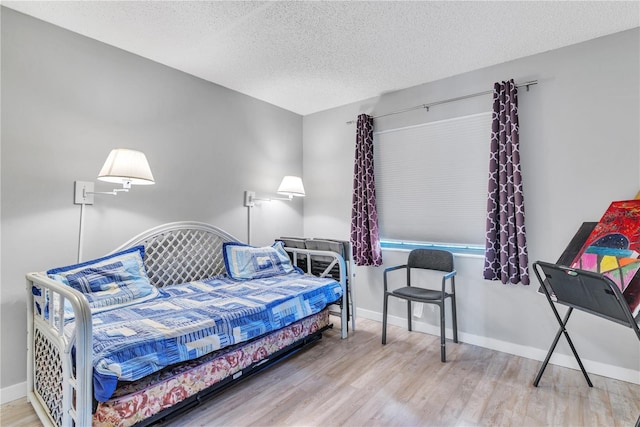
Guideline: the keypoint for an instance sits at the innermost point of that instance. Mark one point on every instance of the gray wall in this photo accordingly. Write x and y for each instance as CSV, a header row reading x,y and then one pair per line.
x,y
580,141
66,102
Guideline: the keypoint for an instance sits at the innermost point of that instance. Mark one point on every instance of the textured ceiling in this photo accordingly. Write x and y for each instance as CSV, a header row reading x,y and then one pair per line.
x,y
311,56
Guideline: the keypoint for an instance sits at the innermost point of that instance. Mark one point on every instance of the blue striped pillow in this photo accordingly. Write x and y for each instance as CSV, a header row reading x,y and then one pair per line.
x,y
116,279
244,262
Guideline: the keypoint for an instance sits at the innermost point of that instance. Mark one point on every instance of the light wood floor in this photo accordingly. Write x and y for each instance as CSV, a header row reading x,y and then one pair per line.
x,y
359,382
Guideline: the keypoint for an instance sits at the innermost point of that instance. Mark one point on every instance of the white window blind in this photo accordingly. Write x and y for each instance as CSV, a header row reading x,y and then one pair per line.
x,y
431,180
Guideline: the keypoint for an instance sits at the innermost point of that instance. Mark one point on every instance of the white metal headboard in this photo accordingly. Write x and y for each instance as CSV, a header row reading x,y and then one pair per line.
x,y
180,252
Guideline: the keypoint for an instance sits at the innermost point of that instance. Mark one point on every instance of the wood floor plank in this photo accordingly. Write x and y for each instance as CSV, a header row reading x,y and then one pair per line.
x,y
360,382
18,413
624,399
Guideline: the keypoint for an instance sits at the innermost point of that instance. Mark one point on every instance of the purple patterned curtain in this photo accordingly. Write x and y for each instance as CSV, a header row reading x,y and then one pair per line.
x,y
364,215
506,257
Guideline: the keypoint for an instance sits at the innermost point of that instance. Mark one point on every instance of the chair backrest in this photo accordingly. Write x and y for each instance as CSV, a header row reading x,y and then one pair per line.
x,y
431,259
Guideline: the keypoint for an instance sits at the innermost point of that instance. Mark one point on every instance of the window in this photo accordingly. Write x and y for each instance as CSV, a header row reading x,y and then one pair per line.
x,y
431,181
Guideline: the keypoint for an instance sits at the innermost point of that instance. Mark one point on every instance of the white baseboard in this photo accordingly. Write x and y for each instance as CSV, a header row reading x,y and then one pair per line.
x,y
13,392
566,361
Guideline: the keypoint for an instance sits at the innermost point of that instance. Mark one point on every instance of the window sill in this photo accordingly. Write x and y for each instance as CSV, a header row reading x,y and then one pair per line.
x,y
472,251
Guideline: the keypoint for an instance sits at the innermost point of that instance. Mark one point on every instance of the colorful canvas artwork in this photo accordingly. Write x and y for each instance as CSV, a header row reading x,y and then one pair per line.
x,y
613,249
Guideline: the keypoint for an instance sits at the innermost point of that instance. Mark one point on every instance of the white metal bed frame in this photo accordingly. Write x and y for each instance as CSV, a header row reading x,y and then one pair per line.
x,y
178,252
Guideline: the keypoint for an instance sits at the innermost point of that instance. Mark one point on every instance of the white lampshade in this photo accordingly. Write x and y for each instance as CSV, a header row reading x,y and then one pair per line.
x,y
291,186
124,166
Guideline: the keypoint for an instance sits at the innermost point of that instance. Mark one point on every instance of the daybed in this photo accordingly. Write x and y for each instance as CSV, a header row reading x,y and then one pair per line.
x,y
92,359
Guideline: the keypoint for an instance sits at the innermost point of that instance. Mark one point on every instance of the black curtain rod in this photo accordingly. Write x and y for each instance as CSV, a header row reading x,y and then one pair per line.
x,y
460,98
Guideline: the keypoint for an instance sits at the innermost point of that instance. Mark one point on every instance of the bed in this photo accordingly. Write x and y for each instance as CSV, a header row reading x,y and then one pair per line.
x,y
175,315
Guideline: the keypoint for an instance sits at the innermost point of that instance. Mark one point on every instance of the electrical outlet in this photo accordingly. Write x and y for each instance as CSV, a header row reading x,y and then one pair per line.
x,y
82,190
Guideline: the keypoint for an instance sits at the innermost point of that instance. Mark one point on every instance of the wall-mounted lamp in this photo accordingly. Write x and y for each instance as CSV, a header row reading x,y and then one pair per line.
x,y
123,166
291,186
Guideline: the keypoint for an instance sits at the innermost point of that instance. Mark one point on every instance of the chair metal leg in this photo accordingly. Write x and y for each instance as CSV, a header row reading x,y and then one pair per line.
x,y
454,318
408,315
443,349
384,318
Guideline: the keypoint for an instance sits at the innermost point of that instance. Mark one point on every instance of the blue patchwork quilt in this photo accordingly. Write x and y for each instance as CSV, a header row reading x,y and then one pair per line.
x,y
187,321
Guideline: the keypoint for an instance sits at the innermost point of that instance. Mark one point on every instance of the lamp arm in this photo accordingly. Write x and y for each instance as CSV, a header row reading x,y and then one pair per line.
x,y
250,198
113,192
288,199
126,186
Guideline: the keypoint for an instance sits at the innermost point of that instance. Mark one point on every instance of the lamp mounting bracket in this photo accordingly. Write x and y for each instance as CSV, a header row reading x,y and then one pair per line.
x,y
249,198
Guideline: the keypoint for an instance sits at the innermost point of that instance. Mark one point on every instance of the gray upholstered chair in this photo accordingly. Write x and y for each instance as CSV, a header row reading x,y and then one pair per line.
x,y
428,259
